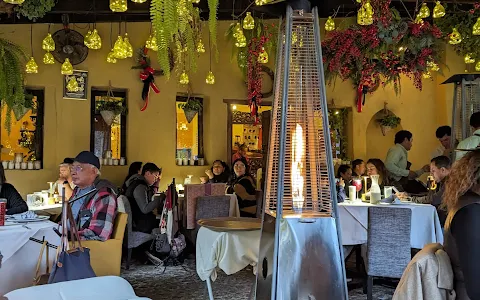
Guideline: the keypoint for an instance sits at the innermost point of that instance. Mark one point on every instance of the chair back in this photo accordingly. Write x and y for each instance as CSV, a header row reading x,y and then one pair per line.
x,y
128,211
259,198
208,207
119,226
388,246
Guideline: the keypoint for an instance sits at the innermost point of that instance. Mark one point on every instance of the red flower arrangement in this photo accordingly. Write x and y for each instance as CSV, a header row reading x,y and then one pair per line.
x,y
381,52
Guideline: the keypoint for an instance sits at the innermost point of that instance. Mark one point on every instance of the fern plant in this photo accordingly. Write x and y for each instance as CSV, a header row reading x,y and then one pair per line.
x,y
34,9
212,25
12,89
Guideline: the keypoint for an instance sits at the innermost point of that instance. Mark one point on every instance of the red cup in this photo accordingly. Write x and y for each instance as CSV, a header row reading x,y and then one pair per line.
x,y
3,211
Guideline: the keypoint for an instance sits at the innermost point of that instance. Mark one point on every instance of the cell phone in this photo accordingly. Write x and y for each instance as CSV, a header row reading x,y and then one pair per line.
x,y
337,180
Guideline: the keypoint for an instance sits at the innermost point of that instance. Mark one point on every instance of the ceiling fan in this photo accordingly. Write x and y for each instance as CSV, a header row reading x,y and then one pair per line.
x,y
69,44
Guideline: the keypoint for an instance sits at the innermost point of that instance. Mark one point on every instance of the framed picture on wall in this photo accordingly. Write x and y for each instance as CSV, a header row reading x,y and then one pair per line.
x,y
75,86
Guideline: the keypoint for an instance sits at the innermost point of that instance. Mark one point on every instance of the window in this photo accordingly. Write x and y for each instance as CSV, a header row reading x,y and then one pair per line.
x,y
189,146
26,131
108,124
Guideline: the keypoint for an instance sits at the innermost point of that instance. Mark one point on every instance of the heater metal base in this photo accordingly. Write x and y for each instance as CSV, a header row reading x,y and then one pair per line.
x,y
309,260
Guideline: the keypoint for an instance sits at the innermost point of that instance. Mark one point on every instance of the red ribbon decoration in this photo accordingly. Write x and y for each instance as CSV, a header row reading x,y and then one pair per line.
x,y
148,83
359,98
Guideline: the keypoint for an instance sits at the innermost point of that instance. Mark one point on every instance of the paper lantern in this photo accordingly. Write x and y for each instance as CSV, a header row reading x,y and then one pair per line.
x,y
210,78
128,46
95,40
151,43
248,22
237,31
424,11
48,44
119,48
86,39
184,78
111,57
241,41
476,27
31,67
67,68
438,10
48,59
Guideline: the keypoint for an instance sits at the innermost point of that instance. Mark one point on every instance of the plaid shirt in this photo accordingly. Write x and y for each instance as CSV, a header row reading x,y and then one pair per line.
x,y
103,208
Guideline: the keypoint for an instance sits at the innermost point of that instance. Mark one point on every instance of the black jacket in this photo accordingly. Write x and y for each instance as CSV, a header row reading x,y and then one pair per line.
x,y
15,203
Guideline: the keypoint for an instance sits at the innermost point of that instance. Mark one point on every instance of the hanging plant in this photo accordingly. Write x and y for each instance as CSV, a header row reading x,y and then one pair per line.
x,y
389,122
177,27
12,89
212,25
191,107
34,9
116,106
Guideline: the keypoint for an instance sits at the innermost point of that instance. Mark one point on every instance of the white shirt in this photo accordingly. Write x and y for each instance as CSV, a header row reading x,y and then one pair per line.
x,y
468,143
438,151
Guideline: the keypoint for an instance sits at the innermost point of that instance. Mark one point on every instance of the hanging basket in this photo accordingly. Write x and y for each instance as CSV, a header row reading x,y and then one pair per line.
x,y
190,114
108,116
385,129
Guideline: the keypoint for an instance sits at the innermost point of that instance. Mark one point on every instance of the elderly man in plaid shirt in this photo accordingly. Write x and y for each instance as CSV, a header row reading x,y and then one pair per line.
x,y
94,212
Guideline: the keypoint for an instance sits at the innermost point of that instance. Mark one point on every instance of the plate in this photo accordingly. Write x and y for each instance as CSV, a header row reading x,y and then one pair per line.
x,y
37,219
231,224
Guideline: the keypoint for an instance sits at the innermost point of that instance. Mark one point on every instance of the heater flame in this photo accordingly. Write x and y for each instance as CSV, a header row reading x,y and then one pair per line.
x,y
298,154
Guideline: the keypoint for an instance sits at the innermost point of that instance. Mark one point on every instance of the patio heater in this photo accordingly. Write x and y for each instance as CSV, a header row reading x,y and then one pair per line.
x,y
466,101
300,253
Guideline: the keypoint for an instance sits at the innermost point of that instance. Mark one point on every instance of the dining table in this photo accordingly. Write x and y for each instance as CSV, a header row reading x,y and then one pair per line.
x,y
425,224
20,254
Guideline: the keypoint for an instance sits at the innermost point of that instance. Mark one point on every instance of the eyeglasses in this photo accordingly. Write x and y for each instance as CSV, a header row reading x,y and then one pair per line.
x,y
76,169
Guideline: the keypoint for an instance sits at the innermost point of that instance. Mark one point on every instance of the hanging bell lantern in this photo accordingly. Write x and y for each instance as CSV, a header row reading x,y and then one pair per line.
x,y
248,22
128,46
241,41
151,43
477,66
330,24
14,1
95,40
476,27
111,57
424,11
48,44
118,5
86,39
263,56
455,37
438,10
210,78
200,46
365,14
48,59
468,59
433,66
31,67
67,68
184,78
237,31
119,48
72,85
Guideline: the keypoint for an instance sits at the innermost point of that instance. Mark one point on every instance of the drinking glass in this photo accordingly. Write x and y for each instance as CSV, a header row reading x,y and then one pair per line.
x,y
357,182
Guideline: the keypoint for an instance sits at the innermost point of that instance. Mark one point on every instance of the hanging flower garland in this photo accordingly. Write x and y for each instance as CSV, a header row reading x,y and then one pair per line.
x,y
254,77
381,52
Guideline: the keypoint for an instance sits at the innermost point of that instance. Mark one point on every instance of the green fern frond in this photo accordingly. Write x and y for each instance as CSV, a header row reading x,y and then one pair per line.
x,y
192,55
212,25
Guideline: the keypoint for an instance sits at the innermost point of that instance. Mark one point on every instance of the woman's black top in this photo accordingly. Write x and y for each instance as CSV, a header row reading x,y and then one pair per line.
x,y
245,190
222,178
15,203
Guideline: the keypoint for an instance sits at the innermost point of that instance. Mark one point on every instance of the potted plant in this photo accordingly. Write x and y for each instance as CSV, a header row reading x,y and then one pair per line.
x,y
109,109
191,108
389,122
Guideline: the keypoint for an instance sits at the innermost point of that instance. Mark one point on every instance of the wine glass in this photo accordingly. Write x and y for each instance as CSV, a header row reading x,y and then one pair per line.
x,y
357,182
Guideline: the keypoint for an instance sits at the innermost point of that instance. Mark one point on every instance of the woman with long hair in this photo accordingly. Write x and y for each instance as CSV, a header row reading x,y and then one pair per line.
x,y
376,166
15,203
134,169
243,185
219,173
462,227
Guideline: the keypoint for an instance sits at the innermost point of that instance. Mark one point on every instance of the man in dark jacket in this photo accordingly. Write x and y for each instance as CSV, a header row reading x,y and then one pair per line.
x,y
140,192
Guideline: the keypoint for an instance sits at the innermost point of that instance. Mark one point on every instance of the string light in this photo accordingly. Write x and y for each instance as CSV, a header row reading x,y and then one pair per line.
x,y
48,44
476,27
72,85
248,22
365,14
111,58
438,10
14,1
67,68
128,46
210,77
433,66
424,11
119,49
48,59
139,1
118,5
184,78
468,59
31,67
200,46
151,43
477,66
95,40
455,37
263,56
330,24
262,2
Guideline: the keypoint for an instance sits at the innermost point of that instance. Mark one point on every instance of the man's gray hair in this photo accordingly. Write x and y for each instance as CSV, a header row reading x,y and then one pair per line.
x,y
97,171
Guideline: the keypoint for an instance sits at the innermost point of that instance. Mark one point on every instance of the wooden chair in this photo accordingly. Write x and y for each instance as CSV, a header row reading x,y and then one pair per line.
x,y
106,257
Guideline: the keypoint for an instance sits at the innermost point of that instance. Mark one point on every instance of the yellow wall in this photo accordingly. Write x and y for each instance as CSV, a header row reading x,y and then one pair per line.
x,y
151,134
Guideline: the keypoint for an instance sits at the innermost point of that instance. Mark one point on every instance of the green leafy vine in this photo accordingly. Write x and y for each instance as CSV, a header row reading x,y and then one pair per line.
x,y
34,9
212,25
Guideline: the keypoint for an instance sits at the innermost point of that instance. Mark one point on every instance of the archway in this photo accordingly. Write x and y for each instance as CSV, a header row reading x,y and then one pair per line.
x,y
377,143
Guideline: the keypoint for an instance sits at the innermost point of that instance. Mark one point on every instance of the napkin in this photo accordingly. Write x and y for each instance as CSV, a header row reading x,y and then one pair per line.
x,y
25,216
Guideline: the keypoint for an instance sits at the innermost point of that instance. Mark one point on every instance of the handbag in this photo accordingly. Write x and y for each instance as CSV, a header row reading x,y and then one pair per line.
x,y
74,263
42,279
161,241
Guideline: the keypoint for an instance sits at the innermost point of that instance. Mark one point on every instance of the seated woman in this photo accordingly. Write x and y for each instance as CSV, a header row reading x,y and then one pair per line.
x,y
134,169
219,173
243,185
15,203
376,167
345,172
65,178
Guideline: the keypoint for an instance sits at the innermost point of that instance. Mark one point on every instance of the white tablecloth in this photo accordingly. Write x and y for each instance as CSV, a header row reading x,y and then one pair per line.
x,y
54,209
425,227
20,255
230,251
